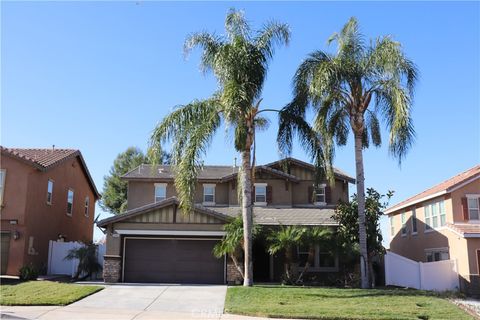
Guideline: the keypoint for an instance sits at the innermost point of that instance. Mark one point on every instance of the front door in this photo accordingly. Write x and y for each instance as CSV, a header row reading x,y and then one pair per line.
x,y
5,245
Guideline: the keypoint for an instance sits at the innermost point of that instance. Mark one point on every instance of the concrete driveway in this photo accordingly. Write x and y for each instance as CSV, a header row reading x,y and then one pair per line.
x,y
135,302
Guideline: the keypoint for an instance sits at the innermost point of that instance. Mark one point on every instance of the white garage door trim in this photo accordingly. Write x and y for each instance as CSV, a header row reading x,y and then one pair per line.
x,y
171,238
171,232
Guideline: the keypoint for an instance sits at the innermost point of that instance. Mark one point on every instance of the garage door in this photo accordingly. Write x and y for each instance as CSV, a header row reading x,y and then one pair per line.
x,y
172,261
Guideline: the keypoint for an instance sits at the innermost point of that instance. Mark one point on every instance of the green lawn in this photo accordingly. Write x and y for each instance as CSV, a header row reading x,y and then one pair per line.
x,y
34,293
332,303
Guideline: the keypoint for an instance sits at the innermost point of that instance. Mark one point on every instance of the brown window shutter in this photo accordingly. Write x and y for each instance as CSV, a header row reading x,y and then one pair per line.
x,y
269,194
253,194
328,194
310,194
465,209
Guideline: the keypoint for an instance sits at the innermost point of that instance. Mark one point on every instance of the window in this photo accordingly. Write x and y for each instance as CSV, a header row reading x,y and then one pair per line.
x,y
414,221
435,215
70,202
87,204
320,194
302,255
160,191
323,260
49,191
3,175
209,193
260,193
392,228
473,207
404,224
437,255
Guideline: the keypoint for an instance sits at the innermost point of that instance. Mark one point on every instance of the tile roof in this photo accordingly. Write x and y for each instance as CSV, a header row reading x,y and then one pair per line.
x,y
45,159
263,216
216,172
285,216
465,229
441,188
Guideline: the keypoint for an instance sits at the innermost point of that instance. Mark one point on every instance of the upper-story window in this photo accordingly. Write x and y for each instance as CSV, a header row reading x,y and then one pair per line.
x,y
392,227
160,191
473,207
260,193
320,197
209,193
3,175
414,221
87,205
70,202
434,215
404,224
49,191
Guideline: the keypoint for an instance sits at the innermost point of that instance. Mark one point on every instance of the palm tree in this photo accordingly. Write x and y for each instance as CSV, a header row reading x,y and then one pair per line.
x,y
286,238
312,237
87,260
232,243
349,90
239,61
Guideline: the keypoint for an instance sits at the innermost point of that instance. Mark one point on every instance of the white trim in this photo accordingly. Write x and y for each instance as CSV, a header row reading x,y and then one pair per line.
x,y
473,195
320,203
260,204
471,235
260,184
171,232
388,211
160,184
212,185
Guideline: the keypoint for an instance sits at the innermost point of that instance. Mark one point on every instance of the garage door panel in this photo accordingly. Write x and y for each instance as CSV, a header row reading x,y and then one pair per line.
x,y
172,261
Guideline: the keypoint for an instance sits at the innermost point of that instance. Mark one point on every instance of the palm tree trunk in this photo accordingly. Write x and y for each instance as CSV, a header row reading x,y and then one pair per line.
x,y
362,233
247,216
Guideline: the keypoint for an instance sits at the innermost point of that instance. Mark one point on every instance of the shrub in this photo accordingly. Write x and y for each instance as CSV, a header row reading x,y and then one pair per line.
x,y
28,272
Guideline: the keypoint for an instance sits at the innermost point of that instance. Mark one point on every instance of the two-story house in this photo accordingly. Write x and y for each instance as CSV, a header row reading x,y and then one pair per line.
x,y
154,241
442,223
45,194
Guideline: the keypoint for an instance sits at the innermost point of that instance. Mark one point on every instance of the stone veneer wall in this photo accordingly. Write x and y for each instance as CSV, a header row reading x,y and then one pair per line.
x,y
233,275
112,268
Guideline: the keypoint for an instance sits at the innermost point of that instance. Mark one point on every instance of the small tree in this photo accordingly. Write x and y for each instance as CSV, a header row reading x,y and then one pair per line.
x,y
87,260
114,197
232,243
286,238
346,215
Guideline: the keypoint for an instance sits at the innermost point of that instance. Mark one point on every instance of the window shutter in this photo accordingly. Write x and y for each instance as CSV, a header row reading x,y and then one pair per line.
x,y
253,194
269,194
465,209
328,194
310,194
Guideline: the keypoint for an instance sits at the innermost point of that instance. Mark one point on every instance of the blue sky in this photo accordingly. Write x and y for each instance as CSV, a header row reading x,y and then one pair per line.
x,y
98,76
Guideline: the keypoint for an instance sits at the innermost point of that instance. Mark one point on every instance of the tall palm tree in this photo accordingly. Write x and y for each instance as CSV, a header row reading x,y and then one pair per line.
x,y
239,60
349,90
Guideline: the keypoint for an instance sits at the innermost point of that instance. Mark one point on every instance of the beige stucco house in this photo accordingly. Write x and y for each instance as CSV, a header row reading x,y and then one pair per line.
x,y
154,241
442,223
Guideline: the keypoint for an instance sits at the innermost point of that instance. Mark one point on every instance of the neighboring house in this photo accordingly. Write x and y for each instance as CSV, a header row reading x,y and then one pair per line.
x,y
442,223
154,241
46,194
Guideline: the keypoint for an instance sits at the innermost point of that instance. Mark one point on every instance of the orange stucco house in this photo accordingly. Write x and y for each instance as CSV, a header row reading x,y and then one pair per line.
x,y
442,223
45,194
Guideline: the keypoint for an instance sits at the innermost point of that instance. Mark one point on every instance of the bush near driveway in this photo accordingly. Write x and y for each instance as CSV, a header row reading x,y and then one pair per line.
x,y
333,303
38,293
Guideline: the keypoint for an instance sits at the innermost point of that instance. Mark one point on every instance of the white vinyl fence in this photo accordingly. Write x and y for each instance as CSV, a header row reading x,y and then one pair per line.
x,y
403,272
57,251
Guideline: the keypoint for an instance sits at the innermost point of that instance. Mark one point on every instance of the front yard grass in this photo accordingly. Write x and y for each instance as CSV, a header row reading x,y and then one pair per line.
x,y
333,303
43,293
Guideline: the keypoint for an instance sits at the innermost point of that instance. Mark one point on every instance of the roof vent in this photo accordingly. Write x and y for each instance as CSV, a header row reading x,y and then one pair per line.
x,y
160,170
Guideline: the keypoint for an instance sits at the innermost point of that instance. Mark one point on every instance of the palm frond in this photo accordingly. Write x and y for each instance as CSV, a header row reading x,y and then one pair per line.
x,y
270,35
236,25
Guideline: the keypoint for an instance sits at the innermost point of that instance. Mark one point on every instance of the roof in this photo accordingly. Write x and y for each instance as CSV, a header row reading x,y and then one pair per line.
x,y
46,159
157,205
262,215
285,216
339,173
216,172
466,230
444,187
